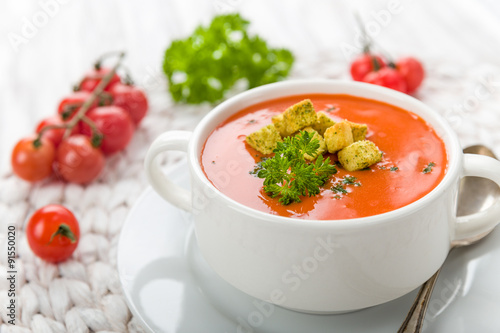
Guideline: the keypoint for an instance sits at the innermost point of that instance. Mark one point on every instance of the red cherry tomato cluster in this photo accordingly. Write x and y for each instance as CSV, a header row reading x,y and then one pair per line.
x,y
405,75
53,233
94,121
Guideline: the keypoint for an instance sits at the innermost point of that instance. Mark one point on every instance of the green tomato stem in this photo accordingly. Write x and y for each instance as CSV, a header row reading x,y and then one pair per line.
x,y
65,231
367,42
37,143
38,140
376,64
97,136
105,98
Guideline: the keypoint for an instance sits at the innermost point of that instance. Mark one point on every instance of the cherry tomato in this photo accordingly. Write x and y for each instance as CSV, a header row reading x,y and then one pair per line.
x,y
132,99
365,64
77,161
53,233
55,135
94,77
33,161
412,71
387,77
114,123
69,105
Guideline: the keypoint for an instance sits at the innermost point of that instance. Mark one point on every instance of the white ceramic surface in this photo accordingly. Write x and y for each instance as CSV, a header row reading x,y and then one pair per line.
x,y
171,288
323,266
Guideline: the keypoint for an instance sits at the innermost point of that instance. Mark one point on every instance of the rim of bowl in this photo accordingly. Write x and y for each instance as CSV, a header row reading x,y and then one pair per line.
x,y
279,89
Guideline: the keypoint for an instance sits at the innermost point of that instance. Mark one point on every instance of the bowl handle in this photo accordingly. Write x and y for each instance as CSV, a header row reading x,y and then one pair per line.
x,y
176,195
476,224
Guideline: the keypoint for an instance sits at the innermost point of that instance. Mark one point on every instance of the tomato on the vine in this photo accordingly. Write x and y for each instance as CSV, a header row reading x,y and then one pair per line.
x,y
412,71
95,76
387,77
365,64
53,233
78,161
69,106
114,123
130,98
32,159
99,121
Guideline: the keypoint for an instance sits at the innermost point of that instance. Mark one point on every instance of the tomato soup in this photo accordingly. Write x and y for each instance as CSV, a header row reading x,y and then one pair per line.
x,y
414,160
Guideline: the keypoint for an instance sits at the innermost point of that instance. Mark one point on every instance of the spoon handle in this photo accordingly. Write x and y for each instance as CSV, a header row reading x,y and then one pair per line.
x,y
415,319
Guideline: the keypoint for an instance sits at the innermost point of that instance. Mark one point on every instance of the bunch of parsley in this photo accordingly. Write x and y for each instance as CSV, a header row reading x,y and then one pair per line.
x,y
288,175
205,65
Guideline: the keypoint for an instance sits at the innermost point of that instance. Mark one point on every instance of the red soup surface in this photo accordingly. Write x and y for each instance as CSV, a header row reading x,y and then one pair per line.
x,y
409,144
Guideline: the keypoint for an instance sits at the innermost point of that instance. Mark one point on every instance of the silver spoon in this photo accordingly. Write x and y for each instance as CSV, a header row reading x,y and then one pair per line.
x,y
475,194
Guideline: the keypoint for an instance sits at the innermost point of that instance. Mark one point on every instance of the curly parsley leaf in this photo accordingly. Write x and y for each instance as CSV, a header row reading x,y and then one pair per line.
x,y
289,176
205,65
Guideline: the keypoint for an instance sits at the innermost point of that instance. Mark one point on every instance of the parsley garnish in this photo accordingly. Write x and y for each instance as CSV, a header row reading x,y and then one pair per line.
x,y
428,168
394,168
205,65
288,175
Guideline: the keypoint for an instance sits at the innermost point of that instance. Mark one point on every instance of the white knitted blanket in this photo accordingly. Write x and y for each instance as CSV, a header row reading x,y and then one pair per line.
x,y
83,294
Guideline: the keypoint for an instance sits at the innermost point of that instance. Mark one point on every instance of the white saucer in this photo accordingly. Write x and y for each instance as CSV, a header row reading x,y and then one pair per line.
x,y
170,287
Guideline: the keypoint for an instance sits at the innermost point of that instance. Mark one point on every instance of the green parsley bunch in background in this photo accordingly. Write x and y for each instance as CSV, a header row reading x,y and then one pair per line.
x,y
206,65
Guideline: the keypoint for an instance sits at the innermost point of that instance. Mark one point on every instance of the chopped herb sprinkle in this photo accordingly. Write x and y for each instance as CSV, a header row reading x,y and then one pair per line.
x,y
258,167
350,180
428,168
339,189
394,168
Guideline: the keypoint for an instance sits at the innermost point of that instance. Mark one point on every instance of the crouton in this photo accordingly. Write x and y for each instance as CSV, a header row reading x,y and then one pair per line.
x,y
280,125
322,145
265,139
338,136
358,131
322,123
295,118
359,155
